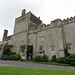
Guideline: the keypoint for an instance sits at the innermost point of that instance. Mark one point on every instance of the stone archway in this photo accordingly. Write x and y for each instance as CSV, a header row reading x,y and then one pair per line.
x,y
29,52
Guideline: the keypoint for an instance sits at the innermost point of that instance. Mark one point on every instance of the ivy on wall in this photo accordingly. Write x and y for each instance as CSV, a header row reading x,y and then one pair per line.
x,y
66,52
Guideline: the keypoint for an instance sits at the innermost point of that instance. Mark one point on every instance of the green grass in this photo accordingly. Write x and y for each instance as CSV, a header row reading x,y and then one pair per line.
x,y
52,63
32,71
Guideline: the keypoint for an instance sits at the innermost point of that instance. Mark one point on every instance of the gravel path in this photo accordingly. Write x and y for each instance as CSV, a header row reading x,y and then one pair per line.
x,y
34,65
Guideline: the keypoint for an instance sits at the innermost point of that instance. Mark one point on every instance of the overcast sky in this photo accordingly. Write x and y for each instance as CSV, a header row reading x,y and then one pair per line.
x,y
48,10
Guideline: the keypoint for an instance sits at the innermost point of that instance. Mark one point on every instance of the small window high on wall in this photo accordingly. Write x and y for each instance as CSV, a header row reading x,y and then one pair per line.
x,y
22,48
52,48
41,27
55,23
41,47
41,38
50,37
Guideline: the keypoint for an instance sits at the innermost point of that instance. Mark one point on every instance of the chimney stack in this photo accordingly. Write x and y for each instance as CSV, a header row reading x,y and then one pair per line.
x,y
23,12
5,34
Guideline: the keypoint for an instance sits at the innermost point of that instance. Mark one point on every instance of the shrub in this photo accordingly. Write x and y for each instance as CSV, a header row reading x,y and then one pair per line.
x,y
45,58
54,59
40,58
14,57
11,57
66,52
22,59
7,51
72,63
17,57
71,59
67,60
12,53
60,60
63,60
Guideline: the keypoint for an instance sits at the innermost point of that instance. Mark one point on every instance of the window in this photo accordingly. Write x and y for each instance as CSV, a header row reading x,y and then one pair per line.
x,y
50,37
29,41
41,27
55,23
22,48
22,42
41,38
23,55
52,48
68,46
30,31
41,47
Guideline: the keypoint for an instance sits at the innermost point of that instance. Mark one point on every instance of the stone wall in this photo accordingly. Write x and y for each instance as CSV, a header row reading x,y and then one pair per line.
x,y
48,39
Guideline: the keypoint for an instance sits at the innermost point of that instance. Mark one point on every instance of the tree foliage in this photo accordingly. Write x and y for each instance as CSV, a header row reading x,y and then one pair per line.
x,y
7,51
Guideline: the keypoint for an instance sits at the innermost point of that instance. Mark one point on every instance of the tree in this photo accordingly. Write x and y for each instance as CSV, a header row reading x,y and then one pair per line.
x,y
7,51
66,52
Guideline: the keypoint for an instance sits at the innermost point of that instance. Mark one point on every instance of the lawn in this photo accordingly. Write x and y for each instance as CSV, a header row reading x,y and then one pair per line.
x,y
52,63
32,71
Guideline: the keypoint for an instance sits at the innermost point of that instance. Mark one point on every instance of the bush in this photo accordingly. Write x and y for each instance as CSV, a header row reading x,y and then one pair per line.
x,y
40,58
72,63
12,53
60,60
22,59
63,60
45,58
66,52
14,57
54,59
11,57
17,57
67,60
71,59
7,51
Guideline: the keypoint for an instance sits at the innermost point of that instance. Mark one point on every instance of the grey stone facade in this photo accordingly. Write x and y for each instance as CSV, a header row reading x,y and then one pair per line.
x,y
48,39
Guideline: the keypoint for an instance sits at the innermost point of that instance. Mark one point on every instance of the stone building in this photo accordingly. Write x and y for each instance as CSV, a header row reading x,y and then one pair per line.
x,y
48,39
0,47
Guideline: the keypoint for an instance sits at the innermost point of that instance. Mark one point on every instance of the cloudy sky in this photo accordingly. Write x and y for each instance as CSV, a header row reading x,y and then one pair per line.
x,y
48,10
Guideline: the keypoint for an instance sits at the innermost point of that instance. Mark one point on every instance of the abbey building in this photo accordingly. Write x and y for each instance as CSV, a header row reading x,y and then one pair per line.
x,y
48,39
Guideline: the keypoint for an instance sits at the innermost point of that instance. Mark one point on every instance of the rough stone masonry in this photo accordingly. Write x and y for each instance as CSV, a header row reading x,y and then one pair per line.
x,y
48,39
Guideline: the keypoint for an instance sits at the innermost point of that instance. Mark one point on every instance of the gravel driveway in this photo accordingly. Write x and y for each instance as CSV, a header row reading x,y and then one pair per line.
x,y
34,65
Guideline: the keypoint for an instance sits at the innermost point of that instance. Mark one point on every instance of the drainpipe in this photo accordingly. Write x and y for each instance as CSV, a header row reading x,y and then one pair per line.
x,y
63,37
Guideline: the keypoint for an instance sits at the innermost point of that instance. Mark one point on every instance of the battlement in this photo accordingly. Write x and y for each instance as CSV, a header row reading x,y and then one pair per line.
x,y
68,20
8,38
35,19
